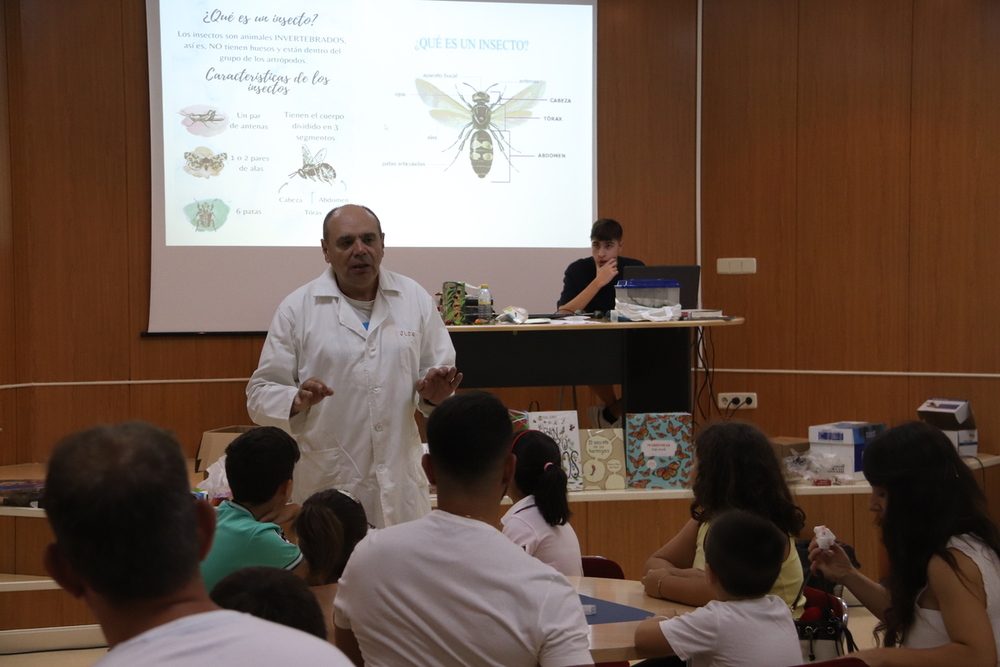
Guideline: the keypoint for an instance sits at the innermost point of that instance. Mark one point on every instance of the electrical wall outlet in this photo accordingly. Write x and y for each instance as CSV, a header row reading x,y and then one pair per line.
x,y
738,400
734,265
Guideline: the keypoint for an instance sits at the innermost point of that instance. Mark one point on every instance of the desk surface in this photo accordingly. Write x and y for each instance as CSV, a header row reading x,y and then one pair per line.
x,y
563,325
611,642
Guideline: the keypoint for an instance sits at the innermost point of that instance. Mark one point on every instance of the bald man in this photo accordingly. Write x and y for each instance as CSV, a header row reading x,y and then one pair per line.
x,y
348,359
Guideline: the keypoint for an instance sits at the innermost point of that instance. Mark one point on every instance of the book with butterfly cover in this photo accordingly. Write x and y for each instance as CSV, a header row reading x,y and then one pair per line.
x,y
603,451
561,426
658,450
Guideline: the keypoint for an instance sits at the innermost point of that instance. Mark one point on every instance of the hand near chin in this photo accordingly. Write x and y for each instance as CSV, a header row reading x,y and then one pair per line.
x,y
607,273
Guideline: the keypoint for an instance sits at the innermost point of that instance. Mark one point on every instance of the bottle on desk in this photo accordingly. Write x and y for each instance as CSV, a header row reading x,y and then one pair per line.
x,y
485,304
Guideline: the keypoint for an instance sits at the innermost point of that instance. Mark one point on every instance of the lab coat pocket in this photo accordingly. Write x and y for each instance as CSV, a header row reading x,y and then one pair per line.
x,y
409,352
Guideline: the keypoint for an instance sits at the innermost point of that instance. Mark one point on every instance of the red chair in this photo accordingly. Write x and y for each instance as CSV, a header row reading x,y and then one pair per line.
x,y
603,568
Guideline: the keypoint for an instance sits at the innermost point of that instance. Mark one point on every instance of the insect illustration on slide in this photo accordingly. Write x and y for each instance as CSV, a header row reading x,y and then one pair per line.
x,y
314,168
205,217
203,163
482,122
210,116
204,120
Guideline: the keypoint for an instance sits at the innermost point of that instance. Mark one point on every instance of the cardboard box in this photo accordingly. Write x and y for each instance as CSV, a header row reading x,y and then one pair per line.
x,y
955,418
659,450
783,446
213,444
603,451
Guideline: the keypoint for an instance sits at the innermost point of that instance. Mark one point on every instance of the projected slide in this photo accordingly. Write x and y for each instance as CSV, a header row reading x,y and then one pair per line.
x,y
467,124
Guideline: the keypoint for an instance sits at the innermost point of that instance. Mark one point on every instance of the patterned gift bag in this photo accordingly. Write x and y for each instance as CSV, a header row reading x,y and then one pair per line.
x,y
659,450
561,426
603,451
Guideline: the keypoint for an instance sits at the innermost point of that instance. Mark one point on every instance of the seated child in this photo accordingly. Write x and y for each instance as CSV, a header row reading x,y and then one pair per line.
x,y
539,519
272,594
259,465
329,526
743,626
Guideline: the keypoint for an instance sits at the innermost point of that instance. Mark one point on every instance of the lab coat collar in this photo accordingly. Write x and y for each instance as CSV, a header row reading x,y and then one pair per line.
x,y
388,288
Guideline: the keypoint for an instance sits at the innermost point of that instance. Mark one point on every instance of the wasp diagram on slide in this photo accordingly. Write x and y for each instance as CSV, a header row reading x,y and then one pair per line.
x,y
483,122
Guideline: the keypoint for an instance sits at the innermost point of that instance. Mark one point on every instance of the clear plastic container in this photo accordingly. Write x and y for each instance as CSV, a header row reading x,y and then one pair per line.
x,y
485,304
649,292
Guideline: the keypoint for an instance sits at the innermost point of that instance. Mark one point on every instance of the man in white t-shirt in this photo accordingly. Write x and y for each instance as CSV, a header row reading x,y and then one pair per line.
x,y
129,536
449,588
743,626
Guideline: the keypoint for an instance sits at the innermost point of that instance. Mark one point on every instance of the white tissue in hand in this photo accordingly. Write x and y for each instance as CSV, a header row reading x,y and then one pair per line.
x,y
824,537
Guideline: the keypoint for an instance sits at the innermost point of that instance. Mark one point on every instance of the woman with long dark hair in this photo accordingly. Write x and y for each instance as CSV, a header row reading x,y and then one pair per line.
x,y
735,468
539,517
942,594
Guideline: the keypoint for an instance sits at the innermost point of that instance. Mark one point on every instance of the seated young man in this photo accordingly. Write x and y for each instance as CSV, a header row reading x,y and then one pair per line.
x,y
589,285
259,465
129,536
744,626
449,588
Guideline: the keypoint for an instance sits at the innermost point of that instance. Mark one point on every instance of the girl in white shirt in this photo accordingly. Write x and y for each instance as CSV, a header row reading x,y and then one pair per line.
x,y
538,521
940,604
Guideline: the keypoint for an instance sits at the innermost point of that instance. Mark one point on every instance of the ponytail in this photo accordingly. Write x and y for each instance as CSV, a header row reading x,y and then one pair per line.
x,y
539,473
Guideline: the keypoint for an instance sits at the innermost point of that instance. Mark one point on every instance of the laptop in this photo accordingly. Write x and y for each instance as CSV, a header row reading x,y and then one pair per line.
x,y
688,276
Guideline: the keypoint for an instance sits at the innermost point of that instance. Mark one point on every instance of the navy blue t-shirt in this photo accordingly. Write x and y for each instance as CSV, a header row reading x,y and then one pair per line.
x,y
582,272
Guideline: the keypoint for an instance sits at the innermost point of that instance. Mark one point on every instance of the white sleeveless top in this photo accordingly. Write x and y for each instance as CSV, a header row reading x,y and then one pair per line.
x,y
928,629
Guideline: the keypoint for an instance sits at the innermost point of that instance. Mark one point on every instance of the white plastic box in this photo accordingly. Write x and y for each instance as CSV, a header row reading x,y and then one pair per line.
x,y
955,418
649,292
846,441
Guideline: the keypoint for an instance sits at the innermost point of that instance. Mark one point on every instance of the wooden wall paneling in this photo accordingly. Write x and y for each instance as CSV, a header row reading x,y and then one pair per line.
x,y
136,134
8,341
69,190
853,184
776,396
628,532
955,190
191,357
50,413
8,559
646,82
828,398
190,409
833,510
748,175
867,540
32,537
8,427
42,609
982,393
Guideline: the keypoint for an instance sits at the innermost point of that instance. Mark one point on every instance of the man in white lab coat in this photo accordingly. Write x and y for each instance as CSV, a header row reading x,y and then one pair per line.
x,y
347,360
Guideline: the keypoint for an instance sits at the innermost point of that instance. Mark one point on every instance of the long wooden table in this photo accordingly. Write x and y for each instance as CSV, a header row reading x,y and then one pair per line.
x,y
611,642
651,360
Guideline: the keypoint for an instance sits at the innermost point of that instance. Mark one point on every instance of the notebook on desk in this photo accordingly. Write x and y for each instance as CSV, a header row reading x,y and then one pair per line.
x,y
688,276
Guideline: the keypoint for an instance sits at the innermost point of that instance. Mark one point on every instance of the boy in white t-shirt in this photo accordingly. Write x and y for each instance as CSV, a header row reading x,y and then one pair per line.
x,y
744,626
